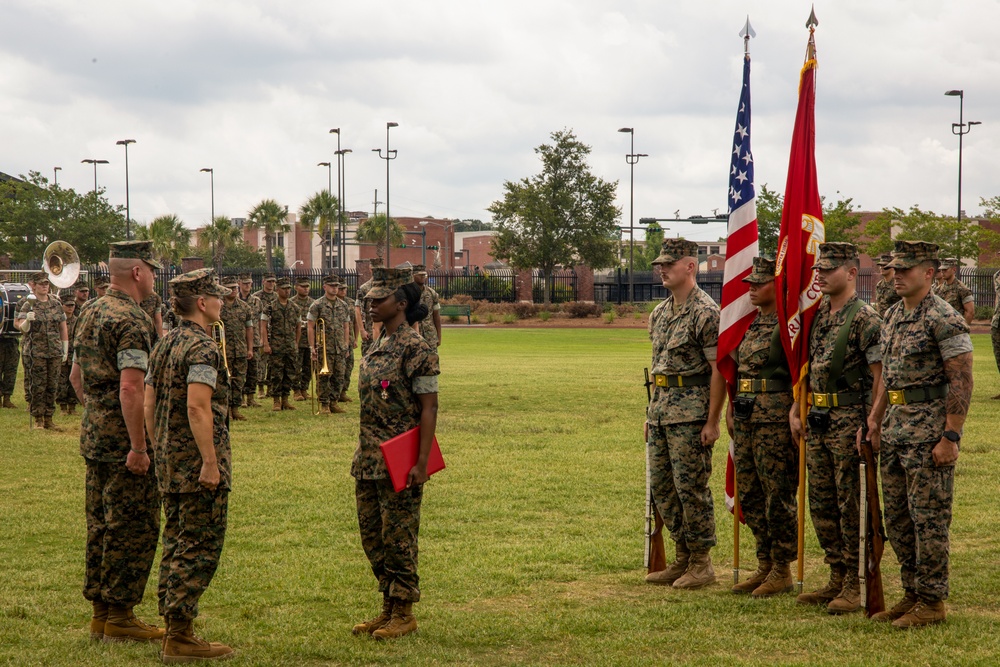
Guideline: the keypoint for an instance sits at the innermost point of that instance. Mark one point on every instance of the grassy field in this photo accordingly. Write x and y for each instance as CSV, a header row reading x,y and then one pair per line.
x,y
531,544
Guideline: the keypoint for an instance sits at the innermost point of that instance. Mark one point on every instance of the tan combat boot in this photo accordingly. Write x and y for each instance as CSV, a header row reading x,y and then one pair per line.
x,y
98,620
123,626
181,645
824,595
277,405
779,580
402,622
251,401
336,409
371,625
285,405
344,398
236,415
261,392
674,570
923,613
902,607
699,574
49,425
39,422
849,598
755,580
7,403
300,395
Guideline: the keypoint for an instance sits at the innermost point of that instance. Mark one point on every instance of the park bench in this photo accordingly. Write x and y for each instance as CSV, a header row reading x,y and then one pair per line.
x,y
457,311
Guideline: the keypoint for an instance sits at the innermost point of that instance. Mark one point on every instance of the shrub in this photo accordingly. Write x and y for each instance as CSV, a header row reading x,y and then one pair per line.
x,y
526,310
490,319
609,317
474,319
581,309
544,316
453,319
510,318
983,313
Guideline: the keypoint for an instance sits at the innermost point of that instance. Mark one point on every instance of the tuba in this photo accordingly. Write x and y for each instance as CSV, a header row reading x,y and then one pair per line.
x,y
62,264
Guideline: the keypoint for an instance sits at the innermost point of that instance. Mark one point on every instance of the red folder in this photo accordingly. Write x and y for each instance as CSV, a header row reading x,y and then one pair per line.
x,y
400,454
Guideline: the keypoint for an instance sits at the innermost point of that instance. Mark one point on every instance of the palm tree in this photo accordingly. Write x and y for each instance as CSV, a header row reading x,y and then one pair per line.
x,y
372,230
323,208
221,235
270,216
171,239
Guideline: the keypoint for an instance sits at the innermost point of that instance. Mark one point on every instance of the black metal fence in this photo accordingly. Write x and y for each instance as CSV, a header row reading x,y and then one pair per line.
x,y
495,285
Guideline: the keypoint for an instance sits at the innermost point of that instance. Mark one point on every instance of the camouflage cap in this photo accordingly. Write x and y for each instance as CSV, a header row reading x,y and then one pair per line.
x,y
303,281
949,263
674,249
375,261
81,284
230,281
405,265
884,259
270,276
386,281
200,282
38,277
101,281
135,250
246,278
832,255
908,254
419,268
763,271
331,280
284,282
68,299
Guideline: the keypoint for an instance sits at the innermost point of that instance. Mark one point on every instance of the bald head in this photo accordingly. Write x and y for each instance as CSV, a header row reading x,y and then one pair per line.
x,y
121,268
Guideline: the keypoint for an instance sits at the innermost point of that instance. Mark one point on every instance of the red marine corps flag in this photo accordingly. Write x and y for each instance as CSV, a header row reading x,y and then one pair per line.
x,y
798,245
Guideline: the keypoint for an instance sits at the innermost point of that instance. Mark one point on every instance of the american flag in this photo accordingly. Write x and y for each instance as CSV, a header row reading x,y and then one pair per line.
x,y
741,248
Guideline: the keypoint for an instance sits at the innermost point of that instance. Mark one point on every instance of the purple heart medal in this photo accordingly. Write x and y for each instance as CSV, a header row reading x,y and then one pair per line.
x,y
385,394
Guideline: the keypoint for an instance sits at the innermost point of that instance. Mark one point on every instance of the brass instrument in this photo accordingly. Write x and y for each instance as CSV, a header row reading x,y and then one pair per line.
x,y
62,264
219,334
320,328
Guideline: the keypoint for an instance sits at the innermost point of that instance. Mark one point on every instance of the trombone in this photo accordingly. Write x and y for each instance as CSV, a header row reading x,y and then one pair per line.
x,y
219,335
325,370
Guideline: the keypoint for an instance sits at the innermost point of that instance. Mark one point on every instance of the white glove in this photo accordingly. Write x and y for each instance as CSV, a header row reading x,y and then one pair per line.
x,y
65,346
30,316
26,324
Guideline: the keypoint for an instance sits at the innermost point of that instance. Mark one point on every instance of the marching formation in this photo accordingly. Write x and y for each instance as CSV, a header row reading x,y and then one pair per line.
x,y
894,381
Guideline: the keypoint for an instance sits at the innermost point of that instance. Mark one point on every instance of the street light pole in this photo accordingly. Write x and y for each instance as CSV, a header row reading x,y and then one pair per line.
x,y
95,163
631,159
342,187
128,210
389,155
330,237
55,176
329,176
211,171
961,128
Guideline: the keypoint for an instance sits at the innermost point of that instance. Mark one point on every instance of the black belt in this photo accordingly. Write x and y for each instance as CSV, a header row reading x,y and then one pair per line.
x,y
748,386
917,395
681,380
838,400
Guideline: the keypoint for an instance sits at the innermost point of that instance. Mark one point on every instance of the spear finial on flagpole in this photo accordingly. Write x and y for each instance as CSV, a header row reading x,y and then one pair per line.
x,y
811,23
746,34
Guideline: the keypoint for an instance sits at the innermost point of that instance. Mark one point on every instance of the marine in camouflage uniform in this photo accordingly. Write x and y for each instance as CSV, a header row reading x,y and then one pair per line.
x,y
66,395
250,386
352,342
994,325
266,298
196,512
954,291
927,368
362,304
10,354
885,291
43,350
831,453
766,456
398,369
303,362
112,343
684,337
152,305
430,326
237,317
280,341
327,308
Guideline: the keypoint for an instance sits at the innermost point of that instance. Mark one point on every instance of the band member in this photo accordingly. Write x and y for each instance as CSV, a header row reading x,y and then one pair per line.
x,y
66,395
250,386
186,402
280,330
430,327
927,368
398,386
350,313
101,283
45,348
362,308
111,345
327,308
239,326
267,295
81,295
303,365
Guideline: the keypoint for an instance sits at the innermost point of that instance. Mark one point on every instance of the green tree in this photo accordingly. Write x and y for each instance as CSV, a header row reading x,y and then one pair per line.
x,y
171,239
769,205
961,240
372,230
271,217
470,225
220,238
320,213
562,216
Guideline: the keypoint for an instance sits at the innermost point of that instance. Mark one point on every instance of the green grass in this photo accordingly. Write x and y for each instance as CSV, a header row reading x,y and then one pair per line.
x,y
531,544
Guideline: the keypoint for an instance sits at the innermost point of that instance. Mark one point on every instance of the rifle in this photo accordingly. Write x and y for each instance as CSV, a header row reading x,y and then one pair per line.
x,y
655,553
872,541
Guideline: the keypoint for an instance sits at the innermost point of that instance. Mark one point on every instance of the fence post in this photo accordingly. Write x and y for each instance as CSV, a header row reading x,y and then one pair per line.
x,y
523,286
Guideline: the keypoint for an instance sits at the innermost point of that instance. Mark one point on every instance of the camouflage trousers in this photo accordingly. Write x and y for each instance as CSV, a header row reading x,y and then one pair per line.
x,y
995,336
679,470
66,395
767,473
348,368
834,494
237,379
123,525
281,374
41,383
263,369
194,530
389,523
9,356
917,495
250,384
332,385
303,369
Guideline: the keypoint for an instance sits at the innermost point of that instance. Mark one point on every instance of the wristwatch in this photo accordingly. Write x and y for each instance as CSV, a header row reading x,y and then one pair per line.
x,y
954,436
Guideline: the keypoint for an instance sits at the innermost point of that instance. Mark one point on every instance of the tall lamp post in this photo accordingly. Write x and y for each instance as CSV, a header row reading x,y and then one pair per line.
x,y
961,128
342,188
330,238
329,176
55,176
211,172
631,158
128,210
389,155
95,163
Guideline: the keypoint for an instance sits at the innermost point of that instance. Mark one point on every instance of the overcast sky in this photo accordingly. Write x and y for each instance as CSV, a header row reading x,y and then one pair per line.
x,y
251,88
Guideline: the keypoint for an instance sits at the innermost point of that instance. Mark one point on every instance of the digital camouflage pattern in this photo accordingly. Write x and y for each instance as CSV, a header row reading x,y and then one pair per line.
x,y
885,296
185,356
151,305
254,369
364,304
389,523
766,457
994,323
831,457
430,298
282,328
236,317
349,364
9,355
917,493
65,394
303,358
111,335
263,359
955,293
679,469
44,338
331,385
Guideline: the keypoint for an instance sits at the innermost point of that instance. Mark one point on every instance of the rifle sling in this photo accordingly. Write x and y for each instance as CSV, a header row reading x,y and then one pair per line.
x,y
840,350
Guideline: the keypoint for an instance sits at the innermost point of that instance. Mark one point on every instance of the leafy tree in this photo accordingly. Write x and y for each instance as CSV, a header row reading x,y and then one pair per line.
x,y
769,205
238,256
320,214
470,225
220,238
270,216
956,239
372,230
562,216
171,239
